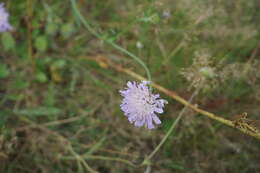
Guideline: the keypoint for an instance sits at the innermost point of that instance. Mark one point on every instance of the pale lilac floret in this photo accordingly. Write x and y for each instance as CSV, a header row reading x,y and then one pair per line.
x,y
140,105
4,24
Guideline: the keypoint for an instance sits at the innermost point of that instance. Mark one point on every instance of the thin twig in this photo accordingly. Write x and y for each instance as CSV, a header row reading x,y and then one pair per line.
x,y
89,157
63,121
66,141
29,33
110,151
78,157
176,97
96,157
251,58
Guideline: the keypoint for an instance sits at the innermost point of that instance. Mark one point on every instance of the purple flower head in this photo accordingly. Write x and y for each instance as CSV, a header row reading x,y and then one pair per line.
x,y
140,105
4,25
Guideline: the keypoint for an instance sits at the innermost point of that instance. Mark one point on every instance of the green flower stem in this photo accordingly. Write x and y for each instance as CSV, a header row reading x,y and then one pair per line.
x,y
92,31
147,160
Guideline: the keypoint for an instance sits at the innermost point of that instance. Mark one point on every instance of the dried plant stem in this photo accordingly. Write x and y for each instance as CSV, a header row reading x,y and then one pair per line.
x,y
65,141
174,51
111,151
75,156
93,157
63,121
96,157
186,103
176,97
247,65
80,159
29,33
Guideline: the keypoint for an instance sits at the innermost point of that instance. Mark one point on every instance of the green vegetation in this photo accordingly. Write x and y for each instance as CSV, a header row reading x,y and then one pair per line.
x,y
59,93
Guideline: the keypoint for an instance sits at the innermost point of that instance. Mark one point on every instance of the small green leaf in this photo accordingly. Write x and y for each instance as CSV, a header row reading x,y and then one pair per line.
x,y
38,111
4,71
154,19
67,29
8,41
178,167
41,77
50,97
59,63
4,116
41,43
21,84
51,28
14,97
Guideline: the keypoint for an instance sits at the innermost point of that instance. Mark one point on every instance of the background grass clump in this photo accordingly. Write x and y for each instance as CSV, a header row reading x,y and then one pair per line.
x,y
59,103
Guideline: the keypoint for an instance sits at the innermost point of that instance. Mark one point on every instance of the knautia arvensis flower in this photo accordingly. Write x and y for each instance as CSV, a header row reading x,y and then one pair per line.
x,y
140,105
4,24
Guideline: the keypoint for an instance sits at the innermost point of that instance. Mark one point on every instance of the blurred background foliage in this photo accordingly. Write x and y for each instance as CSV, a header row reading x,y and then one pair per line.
x,y
55,99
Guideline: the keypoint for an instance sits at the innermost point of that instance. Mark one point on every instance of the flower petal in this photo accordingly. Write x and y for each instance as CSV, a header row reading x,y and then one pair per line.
x,y
139,123
158,110
149,122
156,119
140,105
